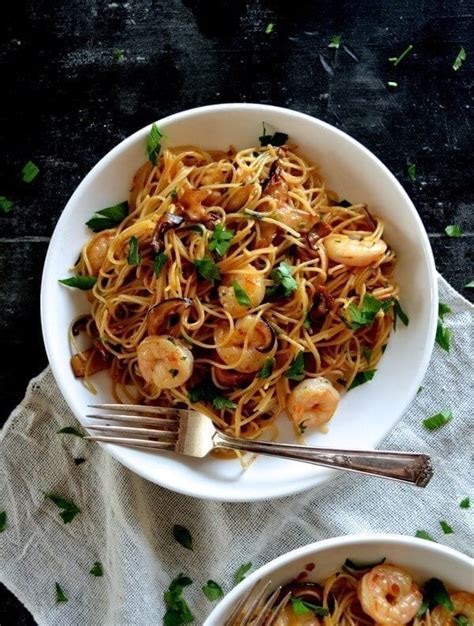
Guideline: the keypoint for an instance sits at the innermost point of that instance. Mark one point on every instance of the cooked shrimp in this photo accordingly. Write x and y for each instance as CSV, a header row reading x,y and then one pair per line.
x,y
260,344
312,402
463,604
238,198
389,596
251,281
357,252
295,218
97,250
164,361
289,618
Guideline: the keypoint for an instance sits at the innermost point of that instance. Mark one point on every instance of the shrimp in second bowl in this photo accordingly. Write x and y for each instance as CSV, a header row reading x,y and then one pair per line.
x,y
252,283
388,594
164,361
354,251
252,341
463,604
313,402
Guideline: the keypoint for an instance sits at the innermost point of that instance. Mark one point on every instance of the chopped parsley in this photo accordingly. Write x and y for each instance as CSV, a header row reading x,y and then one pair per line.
x,y
208,392
453,230
79,282
465,503
242,572
437,421
60,595
133,253
183,536
461,620
70,430
29,172
153,145
119,55
68,509
397,60
212,591
301,607
221,239
422,534
219,402
367,352
399,313
458,61
365,315
79,461
296,369
302,427
240,294
443,309
108,217
177,609
307,322
159,262
277,139
267,368
3,521
411,172
284,283
447,530
207,268
361,378
392,83
360,567
269,29
6,205
434,594
469,285
335,42
96,569
443,336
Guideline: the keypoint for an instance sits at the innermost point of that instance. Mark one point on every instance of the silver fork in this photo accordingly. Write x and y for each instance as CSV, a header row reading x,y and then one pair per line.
x,y
193,434
258,608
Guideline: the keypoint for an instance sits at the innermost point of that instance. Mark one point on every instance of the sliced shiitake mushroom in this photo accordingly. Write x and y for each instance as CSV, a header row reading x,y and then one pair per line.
x,y
268,335
231,378
167,222
163,317
99,360
320,230
323,302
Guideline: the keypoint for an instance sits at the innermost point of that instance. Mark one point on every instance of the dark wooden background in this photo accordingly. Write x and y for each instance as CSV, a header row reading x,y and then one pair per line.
x,y
66,99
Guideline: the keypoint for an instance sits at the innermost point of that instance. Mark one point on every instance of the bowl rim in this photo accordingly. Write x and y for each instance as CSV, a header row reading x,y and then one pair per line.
x,y
120,454
334,542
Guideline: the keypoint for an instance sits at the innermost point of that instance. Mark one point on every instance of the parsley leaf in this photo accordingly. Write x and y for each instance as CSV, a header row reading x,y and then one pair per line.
x,y
183,536
96,569
133,253
295,371
60,595
453,230
68,509
443,336
461,620
108,217
177,609
221,239
361,378
70,430
213,591
267,368
29,172
240,294
119,55
6,205
396,60
207,268
335,42
3,521
435,593
301,607
447,530
436,421
220,402
392,83
411,171
469,285
283,279
458,61
159,262
277,139
208,392
153,145
79,282
422,534
360,567
241,572
465,503
443,309
269,28
365,315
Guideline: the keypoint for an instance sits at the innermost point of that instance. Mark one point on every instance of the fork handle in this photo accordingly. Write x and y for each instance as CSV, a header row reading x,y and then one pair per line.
x,y
407,467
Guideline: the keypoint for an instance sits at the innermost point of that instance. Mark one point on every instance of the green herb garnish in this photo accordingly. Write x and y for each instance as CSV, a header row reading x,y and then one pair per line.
x,y
108,217
133,253
277,139
212,591
367,352
422,534
301,607
361,378
307,322
3,521
453,230
6,205
365,315
360,567
335,42
443,309
207,268
208,392
397,60
159,262
436,421
153,145
221,239
219,402
119,55
458,61
285,284
269,28
392,83
443,336
469,285
240,294
434,594
79,282
461,620
96,569
60,595
447,530
295,371
241,572
267,368
29,172
411,171
183,536
70,430
465,503
68,509
177,609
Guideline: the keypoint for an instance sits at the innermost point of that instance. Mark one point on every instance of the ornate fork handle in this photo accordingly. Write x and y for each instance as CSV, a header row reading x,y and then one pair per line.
x,y
408,467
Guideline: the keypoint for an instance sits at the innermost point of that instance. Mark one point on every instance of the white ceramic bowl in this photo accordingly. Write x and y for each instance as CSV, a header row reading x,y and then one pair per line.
x,y
423,559
364,415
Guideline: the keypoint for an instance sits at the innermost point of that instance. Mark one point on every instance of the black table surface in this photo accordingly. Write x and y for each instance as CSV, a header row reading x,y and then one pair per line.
x,y
79,76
